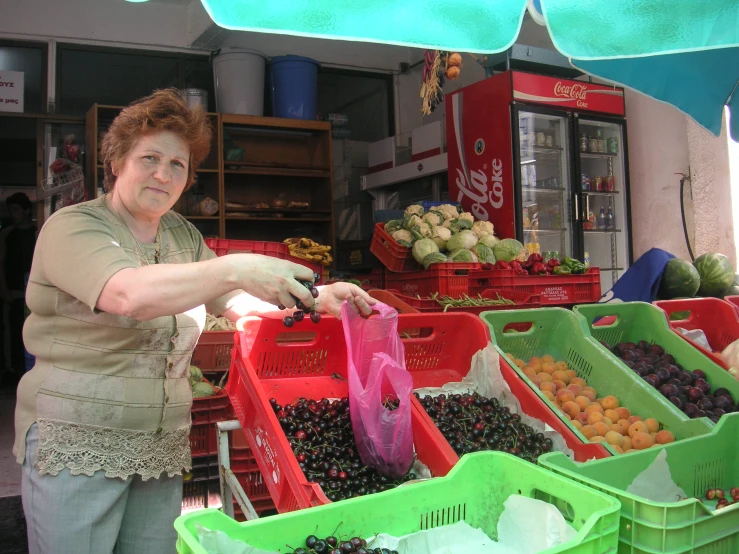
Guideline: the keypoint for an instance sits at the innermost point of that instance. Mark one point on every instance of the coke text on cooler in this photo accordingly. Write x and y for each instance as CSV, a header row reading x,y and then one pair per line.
x,y
480,162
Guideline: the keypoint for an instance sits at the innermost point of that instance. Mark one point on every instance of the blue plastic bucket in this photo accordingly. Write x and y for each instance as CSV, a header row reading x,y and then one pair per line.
x,y
294,86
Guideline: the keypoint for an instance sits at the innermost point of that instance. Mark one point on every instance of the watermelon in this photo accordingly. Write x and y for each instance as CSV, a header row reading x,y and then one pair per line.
x,y
680,278
716,272
733,290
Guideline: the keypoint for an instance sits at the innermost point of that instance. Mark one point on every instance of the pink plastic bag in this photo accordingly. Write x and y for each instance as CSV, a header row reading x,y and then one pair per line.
x,y
376,370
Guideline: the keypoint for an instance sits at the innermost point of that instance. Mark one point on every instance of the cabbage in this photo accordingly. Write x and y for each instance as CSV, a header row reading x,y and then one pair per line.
x,y
433,218
393,225
460,225
482,228
433,258
200,390
467,217
462,255
423,248
410,221
421,231
489,240
195,375
403,238
484,253
413,210
463,239
440,235
507,250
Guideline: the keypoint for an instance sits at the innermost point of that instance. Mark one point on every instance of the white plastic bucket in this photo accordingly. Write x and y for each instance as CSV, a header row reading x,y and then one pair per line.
x,y
238,76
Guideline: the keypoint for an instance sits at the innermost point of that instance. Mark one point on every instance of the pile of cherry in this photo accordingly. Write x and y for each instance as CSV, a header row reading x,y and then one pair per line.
x,y
688,390
332,545
303,310
471,423
322,439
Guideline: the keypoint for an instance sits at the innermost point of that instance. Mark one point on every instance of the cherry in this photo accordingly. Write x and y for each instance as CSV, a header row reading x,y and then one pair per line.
x,y
298,316
315,317
288,321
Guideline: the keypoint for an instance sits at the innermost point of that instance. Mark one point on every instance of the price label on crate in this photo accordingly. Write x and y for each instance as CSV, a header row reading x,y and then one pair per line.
x,y
556,294
260,436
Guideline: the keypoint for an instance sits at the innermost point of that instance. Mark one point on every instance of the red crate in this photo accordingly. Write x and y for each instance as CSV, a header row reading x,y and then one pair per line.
x,y
394,257
213,351
275,249
522,300
206,412
717,319
305,365
734,300
447,279
555,290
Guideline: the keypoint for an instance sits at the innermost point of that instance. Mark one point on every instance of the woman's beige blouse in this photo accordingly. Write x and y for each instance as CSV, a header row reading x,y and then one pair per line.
x,y
108,392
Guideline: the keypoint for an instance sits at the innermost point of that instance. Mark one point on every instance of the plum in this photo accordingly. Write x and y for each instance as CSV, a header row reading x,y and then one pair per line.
x,y
703,385
652,358
623,346
673,370
663,375
629,363
669,358
669,390
629,355
606,346
705,404
722,392
686,378
699,373
691,409
714,418
675,382
653,380
723,403
643,345
718,412
695,394
657,349
677,402
699,413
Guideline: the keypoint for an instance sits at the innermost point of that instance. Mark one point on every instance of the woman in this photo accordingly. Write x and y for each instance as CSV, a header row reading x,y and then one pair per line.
x,y
118,293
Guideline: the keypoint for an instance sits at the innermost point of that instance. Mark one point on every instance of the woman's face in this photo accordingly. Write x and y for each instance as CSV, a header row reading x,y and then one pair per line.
x,y
154,174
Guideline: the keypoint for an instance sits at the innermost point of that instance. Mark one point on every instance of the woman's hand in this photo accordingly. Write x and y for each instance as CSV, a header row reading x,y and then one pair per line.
x,y
331,297
273,280
731,357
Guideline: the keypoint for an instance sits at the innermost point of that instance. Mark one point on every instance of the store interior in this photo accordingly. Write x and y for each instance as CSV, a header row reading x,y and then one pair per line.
x,y
363,155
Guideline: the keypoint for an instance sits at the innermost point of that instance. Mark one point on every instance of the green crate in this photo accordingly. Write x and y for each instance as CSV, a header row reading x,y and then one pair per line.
x,y
562,334
473,491
637,321
696,465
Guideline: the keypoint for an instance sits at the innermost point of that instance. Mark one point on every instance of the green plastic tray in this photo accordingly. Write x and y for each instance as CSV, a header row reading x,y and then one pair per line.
x,y
563,334
637,321
473,491
696,465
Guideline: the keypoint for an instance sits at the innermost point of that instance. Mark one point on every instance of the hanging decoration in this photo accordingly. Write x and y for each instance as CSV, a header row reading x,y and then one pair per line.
x,y
438,66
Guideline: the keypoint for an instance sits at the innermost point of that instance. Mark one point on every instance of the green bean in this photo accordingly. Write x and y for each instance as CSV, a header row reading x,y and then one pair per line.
x,y
448,302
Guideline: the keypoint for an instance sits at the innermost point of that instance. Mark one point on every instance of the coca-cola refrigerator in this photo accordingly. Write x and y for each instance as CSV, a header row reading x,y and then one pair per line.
x,y
545,160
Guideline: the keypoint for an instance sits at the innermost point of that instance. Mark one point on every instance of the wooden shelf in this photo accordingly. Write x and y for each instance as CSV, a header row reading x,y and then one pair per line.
x,y
277,171
273,123
272,211
204,170
202,217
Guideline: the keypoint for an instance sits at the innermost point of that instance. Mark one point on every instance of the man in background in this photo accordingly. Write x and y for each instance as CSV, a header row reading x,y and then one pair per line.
x,y
17,242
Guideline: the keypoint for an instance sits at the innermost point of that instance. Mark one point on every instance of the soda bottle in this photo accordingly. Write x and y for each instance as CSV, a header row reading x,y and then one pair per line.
x,y
602,221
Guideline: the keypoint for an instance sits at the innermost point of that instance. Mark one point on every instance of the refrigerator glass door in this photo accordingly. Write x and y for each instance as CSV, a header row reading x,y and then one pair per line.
x,y
603,185
545,183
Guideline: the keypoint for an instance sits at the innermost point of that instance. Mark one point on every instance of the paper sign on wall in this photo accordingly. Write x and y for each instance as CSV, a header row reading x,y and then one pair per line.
x,y
11,91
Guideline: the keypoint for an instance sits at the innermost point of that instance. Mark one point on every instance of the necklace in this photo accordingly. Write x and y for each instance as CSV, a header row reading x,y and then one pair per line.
x,y
140,249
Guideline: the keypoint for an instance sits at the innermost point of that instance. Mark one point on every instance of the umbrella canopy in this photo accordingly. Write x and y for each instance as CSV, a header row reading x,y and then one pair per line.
x,y
680,51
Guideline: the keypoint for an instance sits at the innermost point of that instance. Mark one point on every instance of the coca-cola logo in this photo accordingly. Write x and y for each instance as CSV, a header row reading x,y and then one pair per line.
x,y
576,91
476,189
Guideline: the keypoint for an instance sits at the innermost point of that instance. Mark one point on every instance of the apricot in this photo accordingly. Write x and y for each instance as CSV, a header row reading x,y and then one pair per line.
x,y
520,363
634,419
614,438
589,394
616,428
600,428
548,386
595,417
578,381
576,423
563,396
560,384
576,389
571,409
598,438
544,377
548,367
641,441
607,420
652,424
627,443
588,432
624,423
571,374
562,366
560,376
617,449
623,413
610,402
612,414
594,408
637,427
536,366
534,360
528,372
664,437
547,358
549,394
582,417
